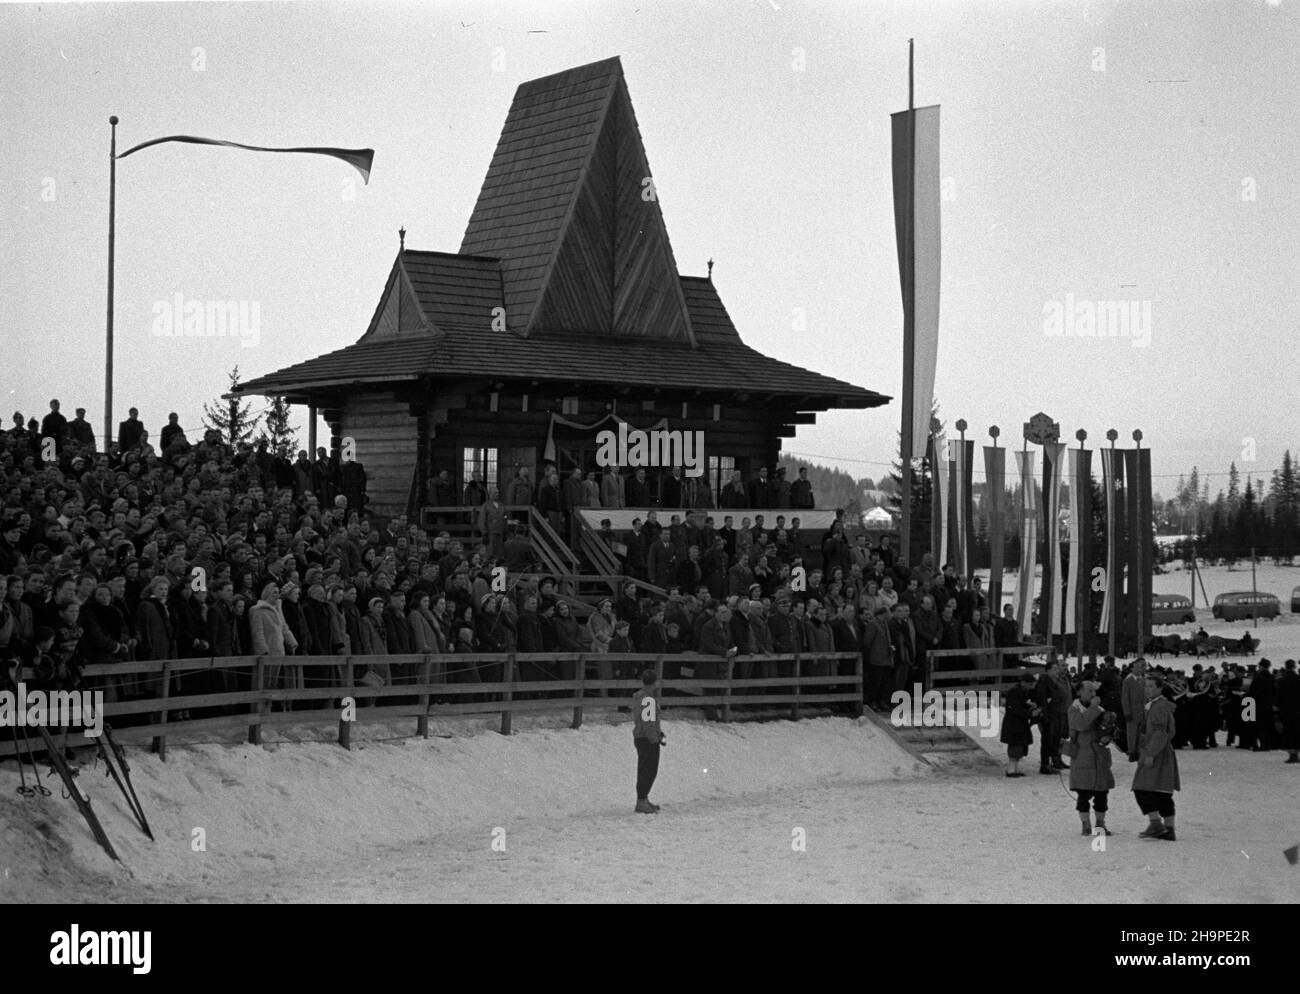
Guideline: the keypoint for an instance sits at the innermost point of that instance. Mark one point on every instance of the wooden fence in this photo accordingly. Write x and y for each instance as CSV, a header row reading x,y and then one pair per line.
x,y
570,686
990,672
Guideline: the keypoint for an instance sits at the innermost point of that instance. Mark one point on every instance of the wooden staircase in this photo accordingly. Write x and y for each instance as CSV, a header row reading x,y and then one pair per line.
x,y
943,747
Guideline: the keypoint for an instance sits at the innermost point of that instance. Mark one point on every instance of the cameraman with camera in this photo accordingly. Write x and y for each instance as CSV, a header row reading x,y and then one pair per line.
x,y
1091,732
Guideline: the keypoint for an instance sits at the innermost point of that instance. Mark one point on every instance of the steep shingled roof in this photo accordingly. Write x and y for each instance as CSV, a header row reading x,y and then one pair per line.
x,y
566,246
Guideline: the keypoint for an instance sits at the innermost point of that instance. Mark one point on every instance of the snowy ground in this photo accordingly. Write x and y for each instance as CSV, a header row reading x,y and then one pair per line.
x,y
414,820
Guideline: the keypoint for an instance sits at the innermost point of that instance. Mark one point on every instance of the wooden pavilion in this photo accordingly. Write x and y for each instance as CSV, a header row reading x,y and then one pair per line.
x,y
562,307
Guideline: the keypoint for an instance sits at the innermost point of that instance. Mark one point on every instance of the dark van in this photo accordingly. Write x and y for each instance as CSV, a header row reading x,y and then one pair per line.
x,y
1172,609
1243,604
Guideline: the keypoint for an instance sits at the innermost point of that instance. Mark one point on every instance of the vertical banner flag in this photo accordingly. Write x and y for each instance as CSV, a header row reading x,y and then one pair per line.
x,y
1112,472
963,503
916,224
1076,536
1028,542
995,482
1083,483
1144,539
941,501
1053,476
1137,469
1135,589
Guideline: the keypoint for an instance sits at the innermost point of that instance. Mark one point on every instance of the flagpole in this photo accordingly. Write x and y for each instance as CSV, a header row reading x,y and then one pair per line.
x,y
907,442
112,217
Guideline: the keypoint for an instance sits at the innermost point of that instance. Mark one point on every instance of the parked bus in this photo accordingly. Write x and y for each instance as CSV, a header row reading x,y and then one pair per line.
x,y
1244,604
1171,609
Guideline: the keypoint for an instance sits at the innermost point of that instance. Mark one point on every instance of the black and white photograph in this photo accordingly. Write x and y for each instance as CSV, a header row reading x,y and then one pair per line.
x,y
651,453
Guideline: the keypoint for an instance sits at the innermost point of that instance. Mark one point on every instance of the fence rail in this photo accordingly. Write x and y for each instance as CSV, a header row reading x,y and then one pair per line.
x,y
566,687
990,672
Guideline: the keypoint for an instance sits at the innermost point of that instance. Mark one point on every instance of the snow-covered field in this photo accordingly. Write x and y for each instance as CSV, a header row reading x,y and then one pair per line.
x,y
415,820
1280,638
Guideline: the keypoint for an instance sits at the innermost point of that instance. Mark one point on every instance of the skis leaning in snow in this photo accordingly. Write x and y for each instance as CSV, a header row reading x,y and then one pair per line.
x,y
121,774
83,802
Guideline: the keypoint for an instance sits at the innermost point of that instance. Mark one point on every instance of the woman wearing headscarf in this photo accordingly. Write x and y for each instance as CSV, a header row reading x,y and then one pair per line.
x,y
1091,731
426,637
374,639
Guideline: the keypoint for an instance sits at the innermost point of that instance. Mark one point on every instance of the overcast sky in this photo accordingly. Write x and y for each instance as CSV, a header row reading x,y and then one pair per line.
x,y
1142,152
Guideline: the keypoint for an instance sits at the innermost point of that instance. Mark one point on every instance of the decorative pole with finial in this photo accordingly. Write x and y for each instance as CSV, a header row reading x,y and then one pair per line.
x,y
112,220
994,479
1077,567
961,504
401,270
710,270
1112,567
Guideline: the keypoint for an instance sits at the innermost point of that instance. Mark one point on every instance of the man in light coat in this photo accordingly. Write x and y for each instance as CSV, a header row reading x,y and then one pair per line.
x,y
612,489
1156,777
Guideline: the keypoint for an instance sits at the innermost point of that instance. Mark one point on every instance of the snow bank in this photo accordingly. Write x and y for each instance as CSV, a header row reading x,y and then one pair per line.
x,y
289,809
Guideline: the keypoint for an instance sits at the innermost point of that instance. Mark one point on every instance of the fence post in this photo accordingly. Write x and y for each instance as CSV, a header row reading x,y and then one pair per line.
x,y
259,678
794,708
345,726
508,695
726,691
160,741
579,674
857,671
422,721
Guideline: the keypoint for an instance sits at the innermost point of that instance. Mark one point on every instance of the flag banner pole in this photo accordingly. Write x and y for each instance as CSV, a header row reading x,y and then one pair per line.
x,y
1053,482
361,159
995,481
1028,542
108,328
1072,568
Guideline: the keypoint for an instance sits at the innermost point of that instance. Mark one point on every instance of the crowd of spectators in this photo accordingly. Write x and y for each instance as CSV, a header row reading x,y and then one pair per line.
x,y
203,549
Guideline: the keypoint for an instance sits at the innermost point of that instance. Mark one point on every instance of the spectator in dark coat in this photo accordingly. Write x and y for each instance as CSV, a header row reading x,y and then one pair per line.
x,y
80,431
1288,709
1262,690
759,492
157,639
878,657
1132,701
670,489
55,426
129,432
1053,695
661,561
801,493
397,634
637,490
1017,723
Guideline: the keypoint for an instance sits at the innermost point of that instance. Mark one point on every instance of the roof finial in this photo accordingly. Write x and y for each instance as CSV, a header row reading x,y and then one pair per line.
x,y
401,233
710,270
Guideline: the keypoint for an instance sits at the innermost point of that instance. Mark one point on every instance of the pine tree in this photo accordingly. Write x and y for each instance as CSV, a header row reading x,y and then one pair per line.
x,y
278,432
234,420
1234,488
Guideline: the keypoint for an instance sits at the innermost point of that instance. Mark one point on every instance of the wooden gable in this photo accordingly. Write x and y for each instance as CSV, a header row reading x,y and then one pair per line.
x,y
570,209
400,311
